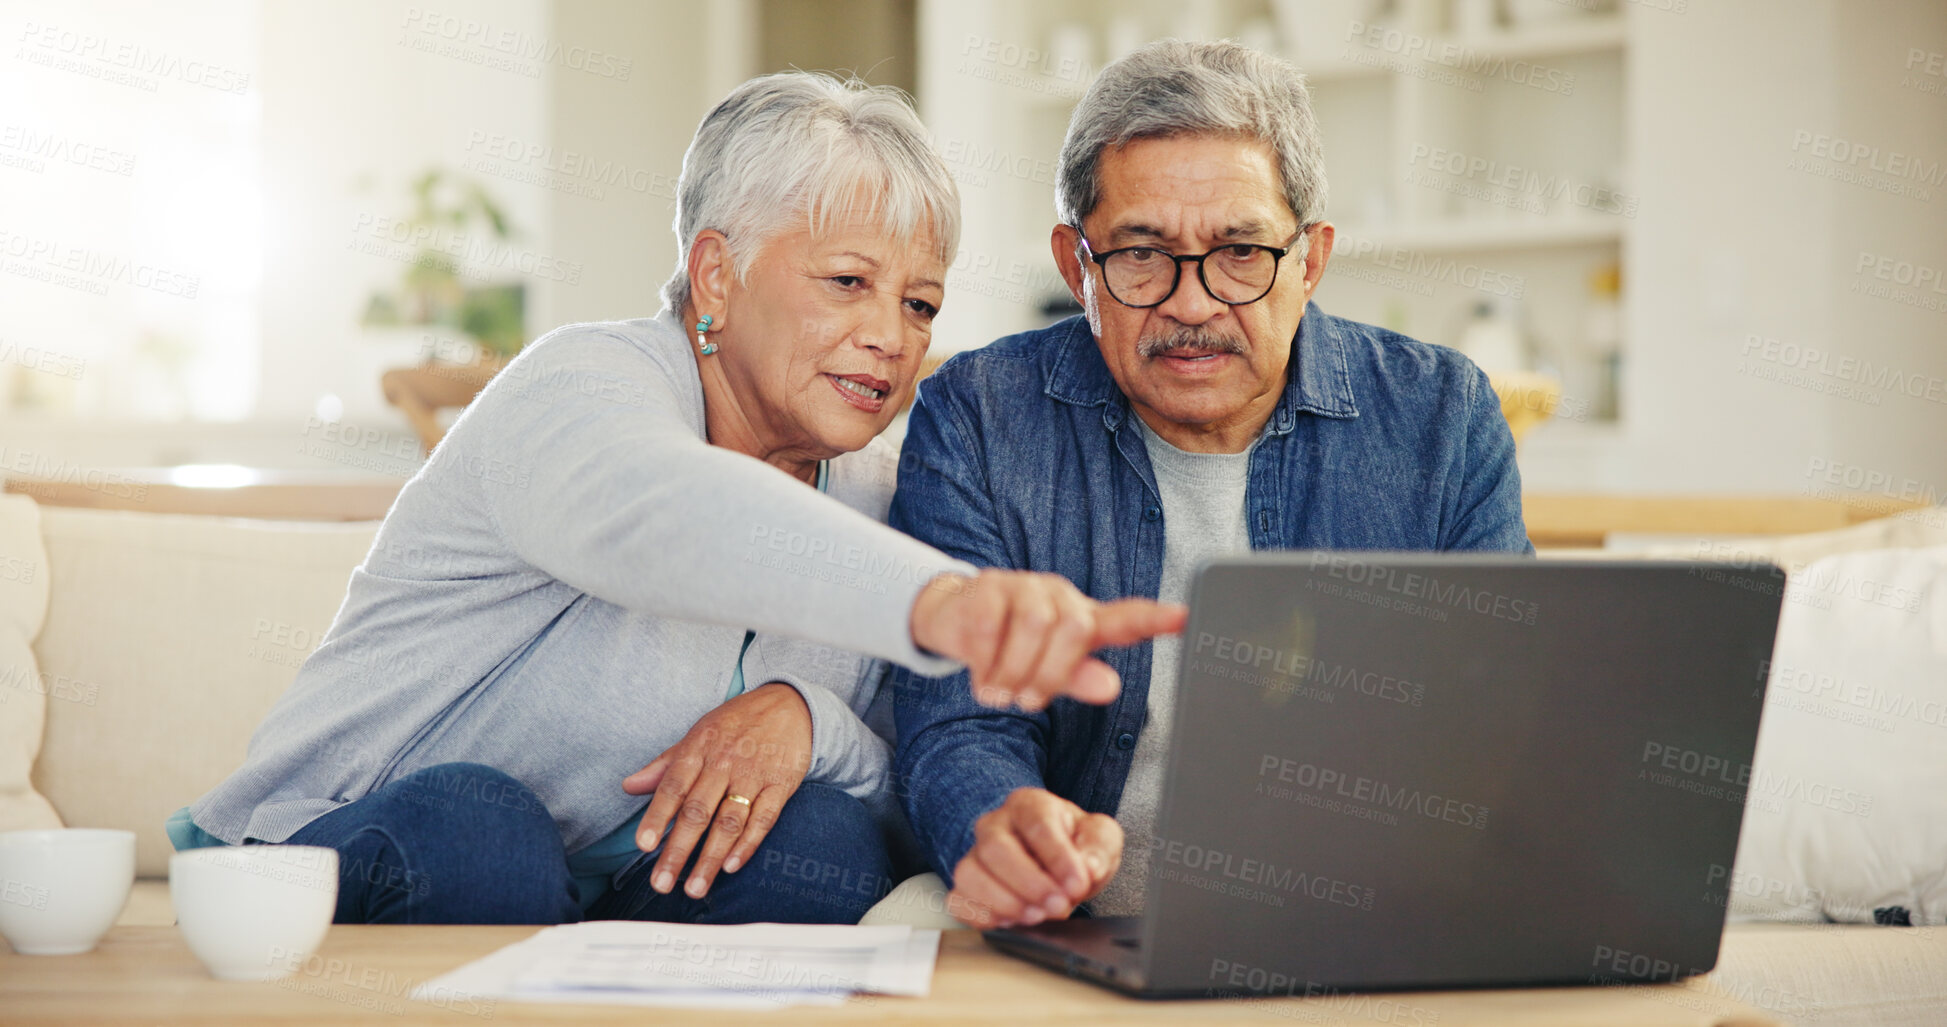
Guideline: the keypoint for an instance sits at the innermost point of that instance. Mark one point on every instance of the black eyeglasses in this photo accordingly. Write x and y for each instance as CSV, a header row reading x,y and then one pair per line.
x,y
1144,276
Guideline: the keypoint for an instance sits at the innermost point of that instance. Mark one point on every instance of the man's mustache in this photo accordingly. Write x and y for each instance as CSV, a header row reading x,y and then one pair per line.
x,y
1185,337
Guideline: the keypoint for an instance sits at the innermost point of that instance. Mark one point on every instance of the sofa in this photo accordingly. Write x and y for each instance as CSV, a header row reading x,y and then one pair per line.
x,y
139,650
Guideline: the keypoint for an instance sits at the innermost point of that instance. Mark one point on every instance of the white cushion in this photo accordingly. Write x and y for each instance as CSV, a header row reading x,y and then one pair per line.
x,y
23,566
1847,807
23,691
23,711
1911,529
184,630
1862,626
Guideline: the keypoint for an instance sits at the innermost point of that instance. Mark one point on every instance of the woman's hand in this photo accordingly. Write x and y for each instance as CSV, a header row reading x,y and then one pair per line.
x,y
758,746
1026,637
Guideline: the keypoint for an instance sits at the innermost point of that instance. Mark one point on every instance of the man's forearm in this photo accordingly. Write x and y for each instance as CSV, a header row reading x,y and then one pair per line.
x,y
947,785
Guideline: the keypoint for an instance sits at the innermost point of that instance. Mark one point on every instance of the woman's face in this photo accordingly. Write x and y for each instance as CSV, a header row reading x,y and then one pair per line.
x,y
823,341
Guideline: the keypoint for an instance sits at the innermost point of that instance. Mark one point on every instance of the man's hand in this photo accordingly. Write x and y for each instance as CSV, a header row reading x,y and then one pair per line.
x,y
757,745
1026,637
1035,858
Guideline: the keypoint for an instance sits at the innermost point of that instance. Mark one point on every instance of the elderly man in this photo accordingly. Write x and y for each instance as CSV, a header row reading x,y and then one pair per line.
x,y
1203,406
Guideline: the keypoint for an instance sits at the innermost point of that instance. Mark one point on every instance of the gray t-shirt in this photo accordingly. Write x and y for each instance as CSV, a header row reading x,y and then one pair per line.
x,y
1203,516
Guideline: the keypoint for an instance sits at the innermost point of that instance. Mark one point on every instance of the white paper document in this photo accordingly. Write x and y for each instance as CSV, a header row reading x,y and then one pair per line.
x,y
749,966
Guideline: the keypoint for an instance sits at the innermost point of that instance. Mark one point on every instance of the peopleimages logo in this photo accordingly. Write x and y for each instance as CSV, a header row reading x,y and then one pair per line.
x,y
1377,793
1426,588
1309,669
467,256
29,144
1432,268
540,164
1891,163
1715,777
1519,181
46,361
1255,983
1862,695
514,45
1411,46
1859,478
1215,870
42,471
89,270
121,61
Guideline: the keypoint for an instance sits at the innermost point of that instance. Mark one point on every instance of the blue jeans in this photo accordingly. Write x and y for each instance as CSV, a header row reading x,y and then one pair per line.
x,y
457,843
824,862
462,843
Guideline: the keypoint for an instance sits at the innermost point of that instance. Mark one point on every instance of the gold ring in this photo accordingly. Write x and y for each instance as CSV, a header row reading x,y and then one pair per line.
x,y
736,798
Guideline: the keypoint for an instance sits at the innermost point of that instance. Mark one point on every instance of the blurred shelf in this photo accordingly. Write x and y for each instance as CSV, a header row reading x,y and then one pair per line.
x,y
1455,236
1563,38
1334,69
1566,38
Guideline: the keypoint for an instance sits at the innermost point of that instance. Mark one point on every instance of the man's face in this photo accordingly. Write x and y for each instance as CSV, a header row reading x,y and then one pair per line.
x,y
1203,374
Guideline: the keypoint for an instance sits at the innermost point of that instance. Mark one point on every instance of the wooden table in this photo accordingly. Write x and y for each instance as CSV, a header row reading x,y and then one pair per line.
x,y
147,975
1555,520
272,494
1569,520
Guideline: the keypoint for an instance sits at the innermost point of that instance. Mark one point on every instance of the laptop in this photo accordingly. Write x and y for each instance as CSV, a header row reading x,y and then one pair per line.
x,y
1433,771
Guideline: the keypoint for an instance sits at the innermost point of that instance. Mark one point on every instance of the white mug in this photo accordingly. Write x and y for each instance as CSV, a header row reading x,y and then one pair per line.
x,y
61,890
254,912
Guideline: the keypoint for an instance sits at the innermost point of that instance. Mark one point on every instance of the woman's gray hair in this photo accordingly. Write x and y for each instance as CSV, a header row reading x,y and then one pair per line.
x,y
804,149
1171,87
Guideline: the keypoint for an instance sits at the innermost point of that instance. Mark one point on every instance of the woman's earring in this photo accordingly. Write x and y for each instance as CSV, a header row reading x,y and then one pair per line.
x,y
702,326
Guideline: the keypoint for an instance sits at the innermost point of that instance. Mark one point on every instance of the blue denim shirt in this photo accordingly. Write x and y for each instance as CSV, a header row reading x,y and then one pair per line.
x,y
1023,454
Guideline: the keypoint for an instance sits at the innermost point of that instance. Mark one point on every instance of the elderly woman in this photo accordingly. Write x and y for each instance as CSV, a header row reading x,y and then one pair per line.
x,y
650,559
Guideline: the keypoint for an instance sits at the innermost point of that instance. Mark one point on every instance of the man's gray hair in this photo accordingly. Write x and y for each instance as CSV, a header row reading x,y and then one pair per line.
x,y
1171,88
803,149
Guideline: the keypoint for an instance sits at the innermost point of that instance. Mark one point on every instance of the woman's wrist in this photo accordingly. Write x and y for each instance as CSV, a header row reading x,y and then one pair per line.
x,y
928,632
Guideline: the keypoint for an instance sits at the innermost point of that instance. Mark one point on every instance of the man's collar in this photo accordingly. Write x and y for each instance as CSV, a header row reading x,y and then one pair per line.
x,y
1319,380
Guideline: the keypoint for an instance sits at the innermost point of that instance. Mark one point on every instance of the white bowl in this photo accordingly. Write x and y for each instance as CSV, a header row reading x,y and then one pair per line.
x,y
61,890
254,912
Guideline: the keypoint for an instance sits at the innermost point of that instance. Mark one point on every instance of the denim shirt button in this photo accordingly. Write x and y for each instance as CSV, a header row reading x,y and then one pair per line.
x,y
1126,741
1150,513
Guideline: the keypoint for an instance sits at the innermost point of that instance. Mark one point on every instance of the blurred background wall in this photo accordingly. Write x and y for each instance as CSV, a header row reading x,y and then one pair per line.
x,y
1716,227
